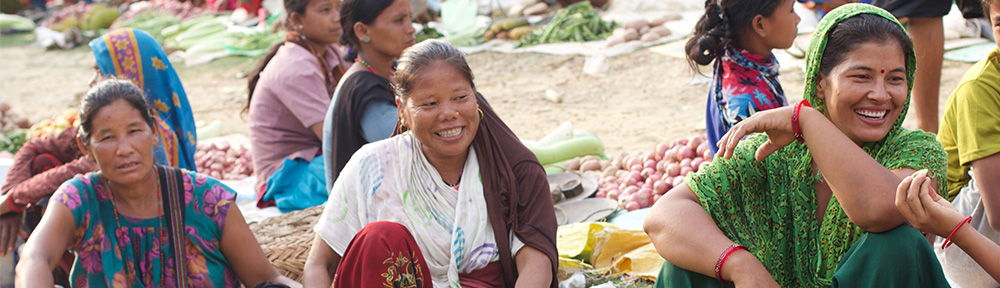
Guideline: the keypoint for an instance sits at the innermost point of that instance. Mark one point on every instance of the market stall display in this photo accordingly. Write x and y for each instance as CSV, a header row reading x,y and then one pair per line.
x,y
642,30
578,22
9,22
223,160
638,180
56,124
83,16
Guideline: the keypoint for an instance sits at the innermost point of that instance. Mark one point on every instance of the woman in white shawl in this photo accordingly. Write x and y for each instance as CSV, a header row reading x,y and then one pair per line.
x,y
453,200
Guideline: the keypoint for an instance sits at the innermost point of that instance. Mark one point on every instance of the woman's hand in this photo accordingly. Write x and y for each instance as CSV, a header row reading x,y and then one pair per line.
x,y
10,226
924,208
777,123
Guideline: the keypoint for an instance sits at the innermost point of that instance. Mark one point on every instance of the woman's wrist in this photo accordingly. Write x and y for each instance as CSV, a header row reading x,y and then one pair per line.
x,y
964,235
740,265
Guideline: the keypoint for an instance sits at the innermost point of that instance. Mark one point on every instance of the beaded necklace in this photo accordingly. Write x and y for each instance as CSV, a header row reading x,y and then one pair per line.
x,y
120,233
362,61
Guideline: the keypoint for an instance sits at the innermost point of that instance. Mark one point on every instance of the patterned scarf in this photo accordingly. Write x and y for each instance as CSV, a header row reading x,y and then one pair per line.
x,y
134,55
769,73
462,215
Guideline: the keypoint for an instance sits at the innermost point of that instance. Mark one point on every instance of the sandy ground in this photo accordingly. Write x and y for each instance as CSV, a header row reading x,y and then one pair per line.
x,y
644,99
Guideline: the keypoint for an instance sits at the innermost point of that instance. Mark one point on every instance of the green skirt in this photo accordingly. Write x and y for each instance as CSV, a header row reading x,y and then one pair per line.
x,y
900,257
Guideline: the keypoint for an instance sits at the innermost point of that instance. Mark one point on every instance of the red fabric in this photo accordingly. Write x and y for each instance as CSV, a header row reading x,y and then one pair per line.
x,y
44,162
383,254
488,277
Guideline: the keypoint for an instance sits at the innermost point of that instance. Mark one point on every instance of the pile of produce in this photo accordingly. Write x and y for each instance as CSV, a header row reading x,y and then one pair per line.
x,y
10,120
563,144
578,22
427,33
528,8
86,17
224,161
183,10
510,28
641,30
204,34
12,129
149,20
257,43
57,124
15,23
639,180
12,141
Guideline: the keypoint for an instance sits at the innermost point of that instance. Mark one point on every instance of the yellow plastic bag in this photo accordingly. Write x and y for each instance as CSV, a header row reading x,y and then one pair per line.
x,y
606,246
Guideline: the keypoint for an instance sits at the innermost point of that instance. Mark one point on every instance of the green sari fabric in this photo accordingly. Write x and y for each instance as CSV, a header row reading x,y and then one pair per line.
x,y
770,206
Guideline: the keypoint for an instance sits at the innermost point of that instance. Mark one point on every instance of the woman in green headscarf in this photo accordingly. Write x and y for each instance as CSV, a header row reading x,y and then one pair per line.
x,y
753,217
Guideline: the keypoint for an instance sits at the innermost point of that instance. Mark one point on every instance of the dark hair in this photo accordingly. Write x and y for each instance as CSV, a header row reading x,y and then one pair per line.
x,y
421,55
354,11
847,35
722,22
105,93
297,6
986,9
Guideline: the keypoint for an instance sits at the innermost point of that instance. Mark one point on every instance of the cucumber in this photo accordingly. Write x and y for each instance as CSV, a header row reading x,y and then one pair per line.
x,y
568,149
562,133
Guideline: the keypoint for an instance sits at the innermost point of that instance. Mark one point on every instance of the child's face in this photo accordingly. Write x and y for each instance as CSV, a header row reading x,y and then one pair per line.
x,y
782,26
995,20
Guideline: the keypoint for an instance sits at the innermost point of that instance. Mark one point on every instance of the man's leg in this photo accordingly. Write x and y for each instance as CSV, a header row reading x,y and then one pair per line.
x,y
928,44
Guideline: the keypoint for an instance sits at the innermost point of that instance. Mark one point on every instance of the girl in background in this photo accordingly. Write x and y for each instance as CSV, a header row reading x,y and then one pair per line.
x,y
289,93
739,36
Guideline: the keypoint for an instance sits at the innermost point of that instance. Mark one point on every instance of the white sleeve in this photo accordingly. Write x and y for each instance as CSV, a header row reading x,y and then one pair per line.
x,y
515,244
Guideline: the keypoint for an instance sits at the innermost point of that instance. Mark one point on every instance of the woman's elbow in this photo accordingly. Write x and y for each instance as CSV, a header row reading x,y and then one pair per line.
x,y
879,222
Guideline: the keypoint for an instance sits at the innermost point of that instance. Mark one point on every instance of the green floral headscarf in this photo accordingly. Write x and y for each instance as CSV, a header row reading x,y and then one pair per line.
x,y
818,46
771,205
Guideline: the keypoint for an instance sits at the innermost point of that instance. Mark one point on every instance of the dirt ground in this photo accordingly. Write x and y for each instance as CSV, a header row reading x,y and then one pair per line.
x,y
644,99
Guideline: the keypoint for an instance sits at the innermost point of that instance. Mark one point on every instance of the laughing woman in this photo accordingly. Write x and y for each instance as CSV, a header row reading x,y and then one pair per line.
x,y
135,223
809,201
453,201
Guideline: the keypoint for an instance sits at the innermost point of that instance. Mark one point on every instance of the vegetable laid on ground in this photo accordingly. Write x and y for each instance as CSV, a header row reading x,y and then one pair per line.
x,y
578,22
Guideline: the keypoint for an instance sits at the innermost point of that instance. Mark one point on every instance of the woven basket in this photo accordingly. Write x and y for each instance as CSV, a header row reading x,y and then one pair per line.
x,y
286,239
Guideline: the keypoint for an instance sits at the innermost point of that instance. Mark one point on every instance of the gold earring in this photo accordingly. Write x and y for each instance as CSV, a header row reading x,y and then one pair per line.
x,y
480,113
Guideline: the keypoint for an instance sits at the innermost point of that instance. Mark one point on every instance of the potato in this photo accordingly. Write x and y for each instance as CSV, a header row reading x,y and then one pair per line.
x,y
631,34
649,37
618,31
536,9
611,171
614,40
572,164
663,31
664,19
635,24
590,165
643,30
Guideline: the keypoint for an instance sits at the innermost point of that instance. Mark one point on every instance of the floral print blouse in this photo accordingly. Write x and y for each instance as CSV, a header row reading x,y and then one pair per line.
x,y
130,252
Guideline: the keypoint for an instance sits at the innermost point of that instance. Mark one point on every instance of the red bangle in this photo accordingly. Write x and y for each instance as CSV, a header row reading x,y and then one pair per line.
x,y
722,260
947,241
796,130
